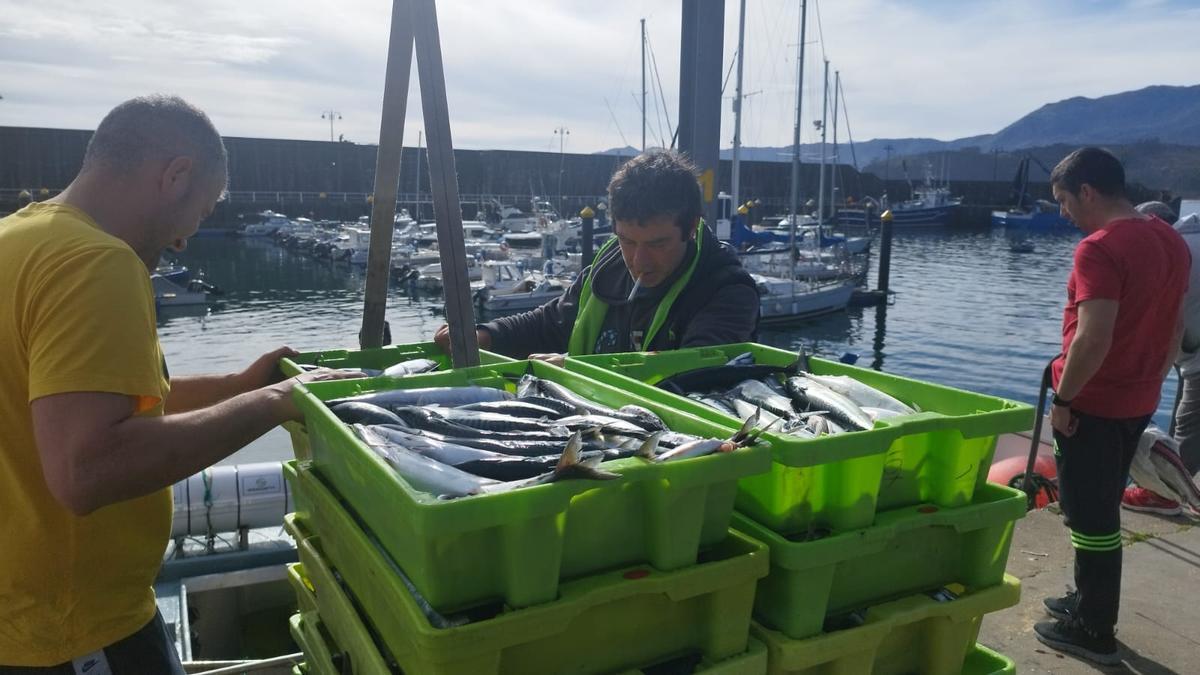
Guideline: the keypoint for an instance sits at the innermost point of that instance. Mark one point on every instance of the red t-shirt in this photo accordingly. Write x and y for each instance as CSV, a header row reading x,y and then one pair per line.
x,y
1143,265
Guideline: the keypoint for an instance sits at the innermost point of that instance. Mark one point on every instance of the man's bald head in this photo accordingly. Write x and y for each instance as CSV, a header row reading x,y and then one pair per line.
x,y
153,128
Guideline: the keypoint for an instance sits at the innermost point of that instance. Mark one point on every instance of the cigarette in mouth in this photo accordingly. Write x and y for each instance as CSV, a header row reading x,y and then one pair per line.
x,y
637,283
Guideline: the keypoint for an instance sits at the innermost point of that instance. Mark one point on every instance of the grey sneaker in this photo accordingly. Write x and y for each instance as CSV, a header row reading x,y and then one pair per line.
x,y
1062,608
1073,638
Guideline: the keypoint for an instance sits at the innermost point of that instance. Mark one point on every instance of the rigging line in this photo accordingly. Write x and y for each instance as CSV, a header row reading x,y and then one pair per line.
x,y
661,94
846,119
653,98
732,63
616,124
820,30
657,114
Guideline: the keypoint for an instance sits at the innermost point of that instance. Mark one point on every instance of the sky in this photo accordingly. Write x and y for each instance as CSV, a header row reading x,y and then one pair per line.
x,y
519,70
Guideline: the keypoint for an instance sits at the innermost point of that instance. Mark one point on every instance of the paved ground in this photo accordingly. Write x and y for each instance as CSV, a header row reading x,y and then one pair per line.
x,y
1159,628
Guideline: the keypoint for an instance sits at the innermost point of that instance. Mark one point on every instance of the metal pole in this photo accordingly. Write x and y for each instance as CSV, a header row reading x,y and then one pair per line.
x,y
585,237
795,203
447,211
643,85
562,135
885,253
821,180
387,174
735,175
687,80
833,170
417,215
704,55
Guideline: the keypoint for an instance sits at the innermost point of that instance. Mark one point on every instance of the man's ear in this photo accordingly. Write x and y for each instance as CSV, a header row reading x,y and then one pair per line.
x,y
176,178
1086,193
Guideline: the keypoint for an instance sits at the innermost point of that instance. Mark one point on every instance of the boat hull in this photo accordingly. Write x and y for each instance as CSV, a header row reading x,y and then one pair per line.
x,y
1037,221
934,215
781,307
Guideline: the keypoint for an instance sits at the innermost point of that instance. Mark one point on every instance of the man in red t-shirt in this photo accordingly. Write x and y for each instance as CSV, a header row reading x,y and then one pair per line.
x,y
1121,330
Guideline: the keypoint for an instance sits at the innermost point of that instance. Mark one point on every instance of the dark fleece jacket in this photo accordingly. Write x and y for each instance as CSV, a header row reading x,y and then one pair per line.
x,y
719,305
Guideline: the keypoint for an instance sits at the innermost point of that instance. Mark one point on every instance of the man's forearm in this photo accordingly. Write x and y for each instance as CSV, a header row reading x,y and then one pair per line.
x,y
145,454
192,392
1084,358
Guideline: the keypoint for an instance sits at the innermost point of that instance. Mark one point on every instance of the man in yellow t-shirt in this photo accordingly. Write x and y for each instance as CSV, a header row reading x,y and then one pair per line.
x,y
94,430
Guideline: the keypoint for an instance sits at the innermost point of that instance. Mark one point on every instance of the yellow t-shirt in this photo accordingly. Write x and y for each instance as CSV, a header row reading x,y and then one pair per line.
x,y
76,314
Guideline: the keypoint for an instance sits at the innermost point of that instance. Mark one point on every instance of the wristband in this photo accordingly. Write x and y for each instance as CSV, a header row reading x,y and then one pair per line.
x,y
1058,400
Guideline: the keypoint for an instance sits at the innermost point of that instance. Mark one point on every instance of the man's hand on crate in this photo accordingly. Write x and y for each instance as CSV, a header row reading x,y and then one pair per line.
x,y
286,406
442,338
552,359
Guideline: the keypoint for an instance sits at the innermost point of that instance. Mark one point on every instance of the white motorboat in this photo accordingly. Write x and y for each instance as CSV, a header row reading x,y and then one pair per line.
x,y
170,294
270,224
504,288
782,299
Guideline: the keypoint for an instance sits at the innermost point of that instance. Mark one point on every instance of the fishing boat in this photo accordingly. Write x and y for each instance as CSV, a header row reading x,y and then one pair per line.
x,y
931,204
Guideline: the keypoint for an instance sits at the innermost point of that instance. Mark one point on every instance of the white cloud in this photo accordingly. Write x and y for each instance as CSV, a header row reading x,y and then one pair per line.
x,y
517,70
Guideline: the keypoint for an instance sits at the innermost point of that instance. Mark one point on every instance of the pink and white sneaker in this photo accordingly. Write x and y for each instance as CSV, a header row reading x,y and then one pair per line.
x,y
1141,499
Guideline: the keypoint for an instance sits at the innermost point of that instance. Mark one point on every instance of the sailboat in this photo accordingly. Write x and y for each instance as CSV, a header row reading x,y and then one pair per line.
x,y
793,297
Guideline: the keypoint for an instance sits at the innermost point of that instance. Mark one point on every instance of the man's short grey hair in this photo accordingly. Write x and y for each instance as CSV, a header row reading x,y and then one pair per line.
x,y
156,127
1158,209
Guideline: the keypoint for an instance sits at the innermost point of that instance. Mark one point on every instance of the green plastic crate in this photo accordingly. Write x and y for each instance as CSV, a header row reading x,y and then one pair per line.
x,y
306,602
320,657
916,635
609,622
517,545
377,358
838,482
343,623
915,548
983,661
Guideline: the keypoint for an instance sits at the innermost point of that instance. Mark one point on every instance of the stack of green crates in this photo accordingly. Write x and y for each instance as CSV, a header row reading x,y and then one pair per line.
x,y
572,576
378,359
879,540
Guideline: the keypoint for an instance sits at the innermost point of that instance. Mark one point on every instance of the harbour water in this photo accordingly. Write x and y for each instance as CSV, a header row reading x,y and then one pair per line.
x,y
967,313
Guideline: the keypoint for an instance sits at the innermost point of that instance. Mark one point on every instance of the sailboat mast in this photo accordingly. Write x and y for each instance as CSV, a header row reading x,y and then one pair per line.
x,y
795,201
643,85
417,216
737,112
821,181
833,170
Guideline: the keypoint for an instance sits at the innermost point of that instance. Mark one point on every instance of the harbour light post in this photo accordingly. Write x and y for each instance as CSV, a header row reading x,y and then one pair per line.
x,y
562,133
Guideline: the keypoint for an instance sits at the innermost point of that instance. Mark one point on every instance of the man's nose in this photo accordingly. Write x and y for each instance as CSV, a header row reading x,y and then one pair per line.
x,y
639,258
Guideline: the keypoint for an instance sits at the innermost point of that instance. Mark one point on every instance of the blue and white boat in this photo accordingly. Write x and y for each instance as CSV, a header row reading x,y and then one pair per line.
x,y
1029,214
1043,216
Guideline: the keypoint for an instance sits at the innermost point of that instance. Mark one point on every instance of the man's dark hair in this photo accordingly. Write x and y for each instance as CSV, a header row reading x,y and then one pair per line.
x,y
1097,167
156,126
654,184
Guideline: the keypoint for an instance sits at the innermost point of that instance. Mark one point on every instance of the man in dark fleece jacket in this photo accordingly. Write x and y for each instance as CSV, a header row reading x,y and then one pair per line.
x,y
693,290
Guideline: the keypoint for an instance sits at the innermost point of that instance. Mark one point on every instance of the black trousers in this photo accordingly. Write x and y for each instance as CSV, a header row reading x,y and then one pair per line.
x,y
1093,469
150,650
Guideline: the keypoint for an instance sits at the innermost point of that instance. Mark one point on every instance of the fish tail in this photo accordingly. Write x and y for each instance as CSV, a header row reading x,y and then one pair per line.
x,y
649,448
